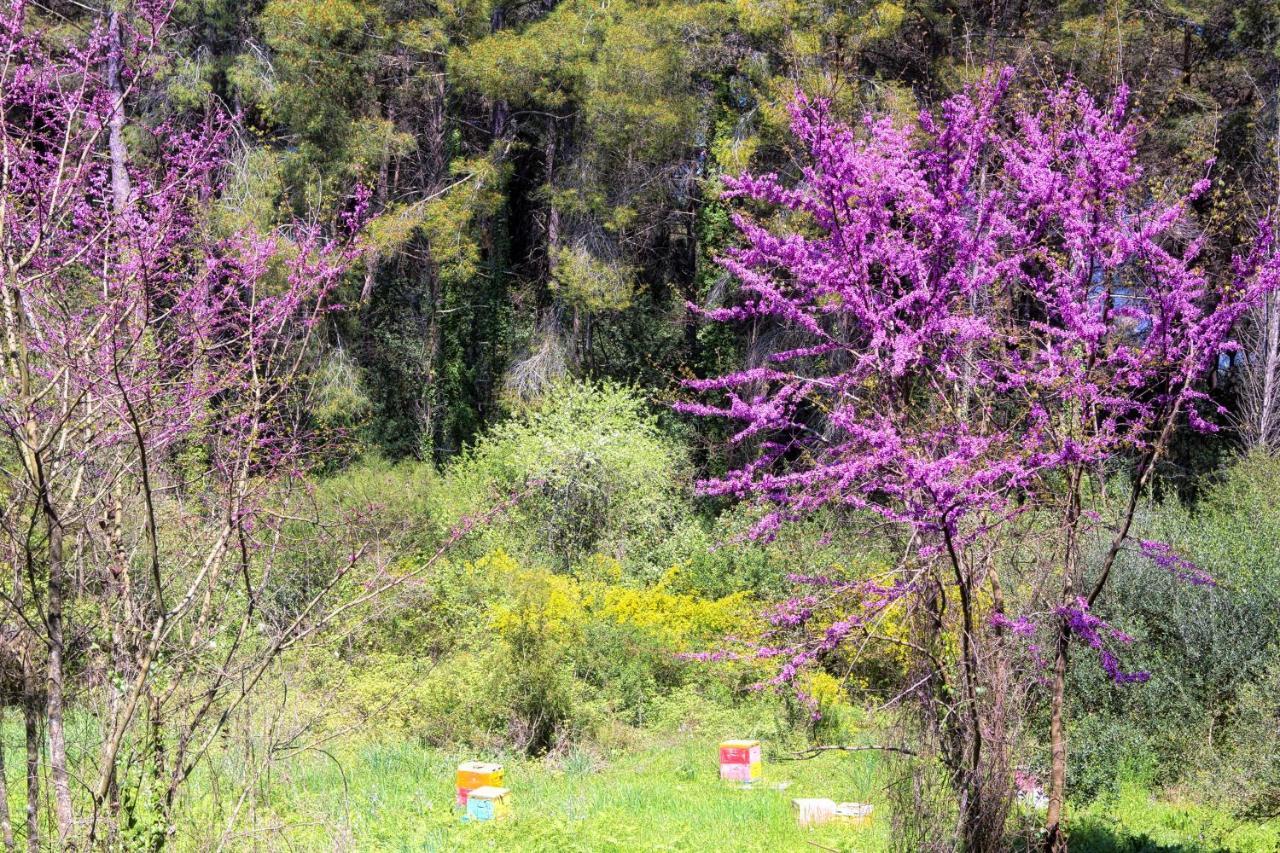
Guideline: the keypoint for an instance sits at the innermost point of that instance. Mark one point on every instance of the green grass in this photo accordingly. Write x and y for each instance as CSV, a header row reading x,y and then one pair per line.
x,y
1134,820
661,794
663,797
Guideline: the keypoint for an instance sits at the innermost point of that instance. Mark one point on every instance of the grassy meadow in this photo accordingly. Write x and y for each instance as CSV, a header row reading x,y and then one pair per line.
x,y
660,796
397,797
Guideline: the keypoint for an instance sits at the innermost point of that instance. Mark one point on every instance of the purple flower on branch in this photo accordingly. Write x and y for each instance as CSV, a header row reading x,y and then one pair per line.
x,y
1092,630
1180,567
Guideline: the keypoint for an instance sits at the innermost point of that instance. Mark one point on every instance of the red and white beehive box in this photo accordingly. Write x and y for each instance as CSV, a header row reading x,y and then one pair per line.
x,y
740,761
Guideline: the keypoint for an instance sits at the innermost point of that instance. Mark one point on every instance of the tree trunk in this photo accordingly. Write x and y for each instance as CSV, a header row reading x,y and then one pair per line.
x,y
971,813
165,804
30,716
429,420
1267,432
56,681
1186,53
6,825
117,588
1056,839
553,213
500,110
121,187
433,175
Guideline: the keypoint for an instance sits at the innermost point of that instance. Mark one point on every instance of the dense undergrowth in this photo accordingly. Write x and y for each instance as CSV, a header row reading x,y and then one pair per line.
x,y
562,626
571,611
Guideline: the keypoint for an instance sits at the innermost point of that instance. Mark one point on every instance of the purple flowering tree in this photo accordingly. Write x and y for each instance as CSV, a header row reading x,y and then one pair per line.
x,y
149,420
989,313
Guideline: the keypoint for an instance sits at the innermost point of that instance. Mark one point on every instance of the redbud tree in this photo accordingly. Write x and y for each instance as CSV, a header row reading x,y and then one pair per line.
x,y
149,421
990,313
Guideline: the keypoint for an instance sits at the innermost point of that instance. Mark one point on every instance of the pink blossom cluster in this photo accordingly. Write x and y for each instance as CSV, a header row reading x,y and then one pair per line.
x,y
1093,631
973,304
790,640
1022,626
1026,782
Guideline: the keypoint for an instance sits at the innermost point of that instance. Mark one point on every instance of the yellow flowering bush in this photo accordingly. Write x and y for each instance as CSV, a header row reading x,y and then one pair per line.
x,y
563,604
578,645
514,654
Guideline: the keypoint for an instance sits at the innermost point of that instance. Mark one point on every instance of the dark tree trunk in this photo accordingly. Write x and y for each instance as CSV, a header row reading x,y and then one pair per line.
x,y
31,720
1055,837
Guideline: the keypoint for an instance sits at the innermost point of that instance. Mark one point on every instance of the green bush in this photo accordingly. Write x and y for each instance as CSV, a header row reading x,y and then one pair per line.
x,y
565,616
1244,773
1130,819
1205,647
591,473
378,508
497,653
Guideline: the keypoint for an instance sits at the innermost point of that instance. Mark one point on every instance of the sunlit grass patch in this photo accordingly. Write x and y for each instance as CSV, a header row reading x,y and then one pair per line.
x,y
666,796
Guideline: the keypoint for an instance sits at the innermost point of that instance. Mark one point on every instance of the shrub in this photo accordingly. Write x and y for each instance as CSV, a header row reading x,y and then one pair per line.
x,y
1206,648
595,475
1245,773
496,652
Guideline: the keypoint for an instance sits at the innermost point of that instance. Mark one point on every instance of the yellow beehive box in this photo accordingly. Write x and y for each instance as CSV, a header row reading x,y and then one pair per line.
x,y
489,803
740,761
476,774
